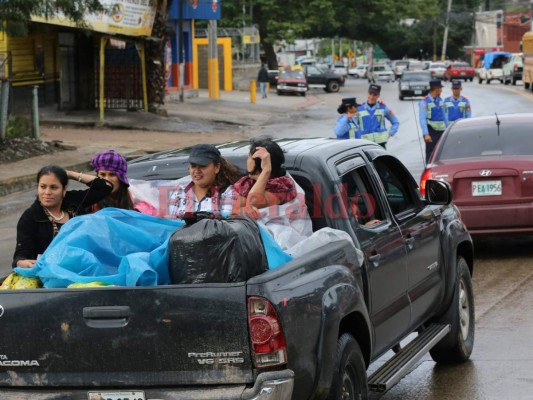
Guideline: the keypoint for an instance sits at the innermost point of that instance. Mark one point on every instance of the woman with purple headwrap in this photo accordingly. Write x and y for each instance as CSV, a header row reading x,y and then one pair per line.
x,y
113,167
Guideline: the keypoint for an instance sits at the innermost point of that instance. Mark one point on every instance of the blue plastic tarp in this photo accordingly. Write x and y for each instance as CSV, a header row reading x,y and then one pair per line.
x,y
117,247
488,58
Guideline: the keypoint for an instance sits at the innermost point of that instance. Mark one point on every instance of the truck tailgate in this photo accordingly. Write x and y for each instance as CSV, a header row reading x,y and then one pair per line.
x,y
168,335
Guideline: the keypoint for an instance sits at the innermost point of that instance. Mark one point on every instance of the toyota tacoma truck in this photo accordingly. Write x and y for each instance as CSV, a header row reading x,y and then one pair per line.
x,y
308,329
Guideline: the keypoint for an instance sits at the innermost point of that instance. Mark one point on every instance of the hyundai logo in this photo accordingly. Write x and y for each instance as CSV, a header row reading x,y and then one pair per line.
x,y
485,172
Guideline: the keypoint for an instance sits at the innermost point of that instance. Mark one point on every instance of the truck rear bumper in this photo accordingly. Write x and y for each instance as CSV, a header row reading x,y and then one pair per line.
x,y
276,385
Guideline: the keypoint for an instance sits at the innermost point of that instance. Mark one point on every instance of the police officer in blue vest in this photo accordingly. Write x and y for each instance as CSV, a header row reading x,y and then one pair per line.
x,y
346,127
371,116
433,118
457,106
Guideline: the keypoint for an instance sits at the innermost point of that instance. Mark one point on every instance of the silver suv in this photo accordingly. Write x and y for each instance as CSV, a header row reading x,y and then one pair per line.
x,y
512,69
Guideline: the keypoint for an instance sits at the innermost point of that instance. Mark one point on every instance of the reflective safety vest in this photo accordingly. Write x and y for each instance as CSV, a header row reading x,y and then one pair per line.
x,y
435,114
372,123
456,109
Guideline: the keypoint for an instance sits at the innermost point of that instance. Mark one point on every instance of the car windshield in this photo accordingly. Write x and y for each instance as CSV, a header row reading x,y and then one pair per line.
x,y
437,66
381,68
481,141
292,74
419,76
461,65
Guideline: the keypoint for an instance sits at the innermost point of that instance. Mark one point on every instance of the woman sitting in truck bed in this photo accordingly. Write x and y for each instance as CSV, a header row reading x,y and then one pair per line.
x,y
271,196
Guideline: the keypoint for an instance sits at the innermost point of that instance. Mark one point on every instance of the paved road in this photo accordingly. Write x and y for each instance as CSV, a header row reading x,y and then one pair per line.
x,y
503,281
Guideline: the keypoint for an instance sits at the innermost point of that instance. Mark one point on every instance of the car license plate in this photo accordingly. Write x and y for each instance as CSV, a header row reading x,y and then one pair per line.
x,y
463,73
487,188
122,395
418,92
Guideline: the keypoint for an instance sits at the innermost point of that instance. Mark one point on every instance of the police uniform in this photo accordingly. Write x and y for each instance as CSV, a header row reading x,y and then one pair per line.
x,y
457,108
433,119
346,128
371,120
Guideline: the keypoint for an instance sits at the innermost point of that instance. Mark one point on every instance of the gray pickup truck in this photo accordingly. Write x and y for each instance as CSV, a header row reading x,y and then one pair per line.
x,y
308,329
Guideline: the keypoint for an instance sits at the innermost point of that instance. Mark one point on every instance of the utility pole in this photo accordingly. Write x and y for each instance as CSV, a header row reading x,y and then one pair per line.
x,y
443,55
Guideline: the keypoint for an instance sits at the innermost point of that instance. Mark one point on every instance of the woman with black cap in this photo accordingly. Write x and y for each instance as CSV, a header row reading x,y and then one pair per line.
x,y
210,189
347,125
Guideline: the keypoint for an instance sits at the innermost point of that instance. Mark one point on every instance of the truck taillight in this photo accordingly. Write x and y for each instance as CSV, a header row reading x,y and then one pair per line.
x,y
268,341
515,67
425,176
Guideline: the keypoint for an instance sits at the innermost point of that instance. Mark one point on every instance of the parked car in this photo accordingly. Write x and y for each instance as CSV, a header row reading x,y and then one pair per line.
x,y
359,71
512,69
489,163
415,65
380,73
437,70
292,82
273,75
339,68
413,84
323,78
398,66
459,70
490,67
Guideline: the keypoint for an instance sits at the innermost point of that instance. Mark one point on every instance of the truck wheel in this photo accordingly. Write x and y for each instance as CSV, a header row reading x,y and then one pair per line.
x,y
349,375
480,81
333,87
526,85
514,81
457,345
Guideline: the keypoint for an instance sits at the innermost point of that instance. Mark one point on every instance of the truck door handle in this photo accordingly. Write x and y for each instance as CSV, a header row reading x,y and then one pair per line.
x,y
410,241
374,258
106,316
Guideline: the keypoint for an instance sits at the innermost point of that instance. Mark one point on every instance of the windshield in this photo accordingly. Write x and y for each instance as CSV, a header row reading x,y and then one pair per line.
x,y
382,68
420,76
483,141
437,66
461,65
292,74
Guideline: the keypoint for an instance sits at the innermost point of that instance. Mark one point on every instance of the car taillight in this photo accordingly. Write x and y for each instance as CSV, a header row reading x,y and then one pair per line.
x,y
515,67
268,341
455,72
425,176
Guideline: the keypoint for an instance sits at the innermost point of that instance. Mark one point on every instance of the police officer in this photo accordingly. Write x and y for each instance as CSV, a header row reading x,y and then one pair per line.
x,y
371,116
433,118
346,127
457,106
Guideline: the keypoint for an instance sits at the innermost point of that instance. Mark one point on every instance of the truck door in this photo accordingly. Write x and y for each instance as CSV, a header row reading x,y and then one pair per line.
x,y
419,226
385,253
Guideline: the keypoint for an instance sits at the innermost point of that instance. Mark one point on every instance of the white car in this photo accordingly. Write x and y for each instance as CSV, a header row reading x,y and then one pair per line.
x,y
378,73
437,70
359,71
490,67
339,68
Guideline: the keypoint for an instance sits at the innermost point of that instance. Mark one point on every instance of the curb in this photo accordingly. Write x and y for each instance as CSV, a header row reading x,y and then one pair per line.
x,y
25,182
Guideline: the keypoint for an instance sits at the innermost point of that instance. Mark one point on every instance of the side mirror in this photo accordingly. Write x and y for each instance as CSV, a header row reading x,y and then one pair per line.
x,y
438,192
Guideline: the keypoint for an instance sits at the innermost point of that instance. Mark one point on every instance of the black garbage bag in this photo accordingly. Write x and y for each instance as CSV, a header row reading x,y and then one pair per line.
x,y
216,250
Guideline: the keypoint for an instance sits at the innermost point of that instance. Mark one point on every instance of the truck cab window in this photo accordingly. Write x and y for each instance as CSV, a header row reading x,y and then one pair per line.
x,y
362,203
395,181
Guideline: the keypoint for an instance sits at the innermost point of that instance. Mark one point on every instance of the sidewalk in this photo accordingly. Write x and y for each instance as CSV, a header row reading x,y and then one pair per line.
x,y
133,133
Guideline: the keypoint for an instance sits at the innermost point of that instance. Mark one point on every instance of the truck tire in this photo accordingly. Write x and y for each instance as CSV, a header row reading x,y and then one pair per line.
x,y
349,375
457,345
514,81
526,85
333,87
480,81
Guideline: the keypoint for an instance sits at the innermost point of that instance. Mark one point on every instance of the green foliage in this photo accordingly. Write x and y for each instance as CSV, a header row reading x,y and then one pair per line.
x,y
18,127
16,14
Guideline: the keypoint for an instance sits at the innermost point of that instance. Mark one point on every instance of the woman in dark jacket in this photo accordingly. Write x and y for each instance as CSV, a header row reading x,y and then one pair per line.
x,y
54,206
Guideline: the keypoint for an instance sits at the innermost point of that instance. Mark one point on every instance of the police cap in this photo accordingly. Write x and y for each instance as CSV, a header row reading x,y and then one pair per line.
x,y
374,88
456,84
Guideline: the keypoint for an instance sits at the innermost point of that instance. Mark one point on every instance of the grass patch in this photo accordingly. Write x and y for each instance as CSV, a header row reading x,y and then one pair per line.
x,y
18,127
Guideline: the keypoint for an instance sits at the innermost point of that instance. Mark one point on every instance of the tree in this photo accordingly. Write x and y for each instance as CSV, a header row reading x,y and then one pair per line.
x,y
16,14
279,20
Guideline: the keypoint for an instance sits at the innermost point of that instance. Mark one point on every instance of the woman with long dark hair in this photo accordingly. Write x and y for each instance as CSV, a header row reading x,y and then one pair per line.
x,y
113,167
54,206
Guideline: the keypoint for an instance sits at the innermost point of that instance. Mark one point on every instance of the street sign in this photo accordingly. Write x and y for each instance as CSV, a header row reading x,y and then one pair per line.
x,y
350,54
